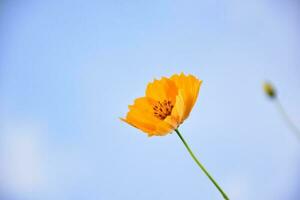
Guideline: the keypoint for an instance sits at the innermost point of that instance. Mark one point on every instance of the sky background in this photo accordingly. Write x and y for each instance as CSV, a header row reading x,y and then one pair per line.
x,y
69,69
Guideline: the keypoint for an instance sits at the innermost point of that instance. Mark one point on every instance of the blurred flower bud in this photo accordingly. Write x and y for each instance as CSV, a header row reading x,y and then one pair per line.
x,y
269,90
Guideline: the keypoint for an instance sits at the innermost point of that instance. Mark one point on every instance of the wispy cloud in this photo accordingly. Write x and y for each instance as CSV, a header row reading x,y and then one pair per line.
x,y
21,171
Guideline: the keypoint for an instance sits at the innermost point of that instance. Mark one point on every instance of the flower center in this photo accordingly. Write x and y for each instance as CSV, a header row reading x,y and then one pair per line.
x,y
162,109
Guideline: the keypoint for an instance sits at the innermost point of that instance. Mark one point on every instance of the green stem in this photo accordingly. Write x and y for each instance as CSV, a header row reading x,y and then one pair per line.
x,y
201,166
287,119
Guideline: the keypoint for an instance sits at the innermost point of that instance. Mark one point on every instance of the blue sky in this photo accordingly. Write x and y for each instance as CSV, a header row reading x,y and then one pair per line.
x,y
69,69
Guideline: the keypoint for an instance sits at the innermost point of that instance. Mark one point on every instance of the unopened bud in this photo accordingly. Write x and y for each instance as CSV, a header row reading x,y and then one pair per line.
x,y
269,90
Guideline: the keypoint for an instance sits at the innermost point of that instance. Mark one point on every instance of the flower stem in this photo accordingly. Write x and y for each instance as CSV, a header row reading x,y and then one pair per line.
x,y
287,119
201,166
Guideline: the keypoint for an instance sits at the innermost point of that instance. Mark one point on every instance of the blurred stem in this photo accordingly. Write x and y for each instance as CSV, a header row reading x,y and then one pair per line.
x,y
287,119
201,166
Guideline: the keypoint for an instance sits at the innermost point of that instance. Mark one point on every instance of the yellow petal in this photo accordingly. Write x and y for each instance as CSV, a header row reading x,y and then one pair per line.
x,y
163,89
147,128
141,116
188,89
178,109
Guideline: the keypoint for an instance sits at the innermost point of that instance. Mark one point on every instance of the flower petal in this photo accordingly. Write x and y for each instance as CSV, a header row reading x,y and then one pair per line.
x,y
188,89
141,116
163,89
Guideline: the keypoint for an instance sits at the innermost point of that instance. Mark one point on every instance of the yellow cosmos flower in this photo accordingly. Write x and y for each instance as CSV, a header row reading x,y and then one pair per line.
x,y
167,103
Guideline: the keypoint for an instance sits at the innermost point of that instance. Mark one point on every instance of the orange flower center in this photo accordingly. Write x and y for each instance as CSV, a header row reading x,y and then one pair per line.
x,y
162,109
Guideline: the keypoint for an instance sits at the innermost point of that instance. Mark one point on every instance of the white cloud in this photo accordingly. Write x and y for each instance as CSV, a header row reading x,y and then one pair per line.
x,y
238,187
20,157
